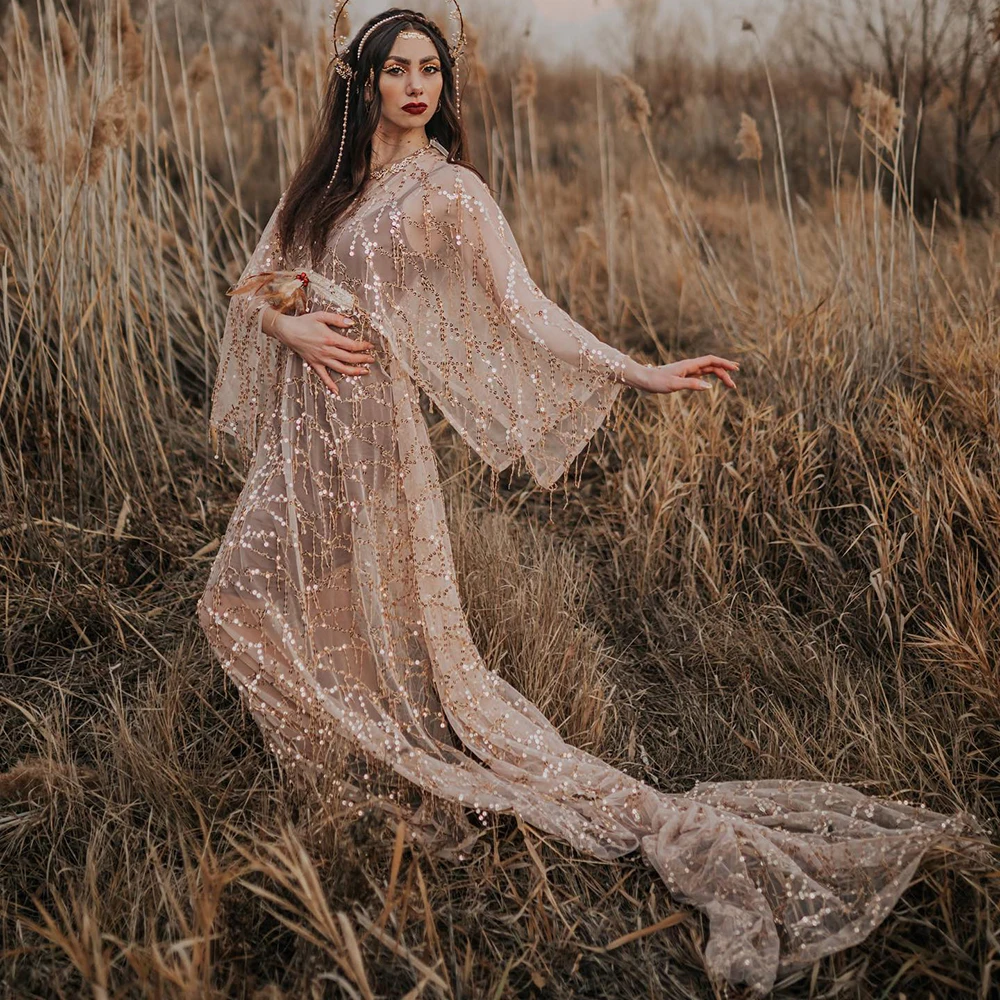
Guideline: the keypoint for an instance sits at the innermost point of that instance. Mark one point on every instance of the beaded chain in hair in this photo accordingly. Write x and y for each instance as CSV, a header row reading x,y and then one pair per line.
x,y
345,72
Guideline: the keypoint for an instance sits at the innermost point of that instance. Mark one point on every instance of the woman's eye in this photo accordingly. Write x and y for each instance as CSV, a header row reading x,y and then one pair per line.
x,y
436,69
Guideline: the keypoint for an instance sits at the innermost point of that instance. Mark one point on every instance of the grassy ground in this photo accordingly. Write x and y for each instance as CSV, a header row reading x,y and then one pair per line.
x,y
795,579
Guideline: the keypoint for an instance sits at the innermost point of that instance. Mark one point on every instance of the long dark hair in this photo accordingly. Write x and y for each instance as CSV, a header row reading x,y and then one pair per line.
x,y
310,209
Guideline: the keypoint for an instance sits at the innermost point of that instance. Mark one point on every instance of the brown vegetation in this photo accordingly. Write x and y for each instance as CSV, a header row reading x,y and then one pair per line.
x,y
799,578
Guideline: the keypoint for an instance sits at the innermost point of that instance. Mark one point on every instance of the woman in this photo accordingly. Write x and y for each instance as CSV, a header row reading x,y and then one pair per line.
x,y
332,601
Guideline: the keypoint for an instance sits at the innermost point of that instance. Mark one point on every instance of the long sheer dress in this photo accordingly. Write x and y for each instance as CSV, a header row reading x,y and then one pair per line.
x,y
333,604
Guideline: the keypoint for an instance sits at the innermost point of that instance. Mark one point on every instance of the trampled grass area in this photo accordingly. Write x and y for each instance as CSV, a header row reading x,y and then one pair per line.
x,y
799,578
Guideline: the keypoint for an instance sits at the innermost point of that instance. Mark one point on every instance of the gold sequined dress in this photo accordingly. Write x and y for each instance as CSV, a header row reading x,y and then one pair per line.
x,y
332,601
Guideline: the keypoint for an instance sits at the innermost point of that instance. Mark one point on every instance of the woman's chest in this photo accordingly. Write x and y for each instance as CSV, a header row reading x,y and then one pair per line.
x,y
366,246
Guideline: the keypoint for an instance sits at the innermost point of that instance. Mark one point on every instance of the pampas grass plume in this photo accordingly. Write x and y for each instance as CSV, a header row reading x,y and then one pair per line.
x,y
122,24
587,241
69,43
527,82
22,29
305,72
111,124
748,139
626,206
199,70
115,110
34,134
633,102
100,136
133,61
270,70
278,100
72,156
180,100
878,111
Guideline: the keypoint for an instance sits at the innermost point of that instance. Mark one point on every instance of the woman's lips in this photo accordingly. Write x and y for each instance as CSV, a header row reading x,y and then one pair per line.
x,y
415,109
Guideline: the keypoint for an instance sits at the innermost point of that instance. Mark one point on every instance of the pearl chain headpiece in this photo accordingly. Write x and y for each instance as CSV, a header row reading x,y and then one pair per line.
x,y
347,73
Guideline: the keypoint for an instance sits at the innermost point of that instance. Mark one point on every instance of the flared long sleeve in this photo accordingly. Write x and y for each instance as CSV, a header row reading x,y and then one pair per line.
x,y
516,375
247,377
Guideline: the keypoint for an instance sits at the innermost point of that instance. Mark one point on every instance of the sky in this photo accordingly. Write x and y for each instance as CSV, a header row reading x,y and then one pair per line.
x,y
591,28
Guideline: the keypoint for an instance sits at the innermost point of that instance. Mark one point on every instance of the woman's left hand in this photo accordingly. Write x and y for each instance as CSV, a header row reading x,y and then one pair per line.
x,y
686,374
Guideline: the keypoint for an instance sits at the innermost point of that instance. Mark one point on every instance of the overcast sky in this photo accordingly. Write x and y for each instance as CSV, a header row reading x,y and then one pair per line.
x,y
590,29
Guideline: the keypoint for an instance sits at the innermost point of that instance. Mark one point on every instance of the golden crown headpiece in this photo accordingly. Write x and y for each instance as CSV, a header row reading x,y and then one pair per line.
x,y
346,72
344,69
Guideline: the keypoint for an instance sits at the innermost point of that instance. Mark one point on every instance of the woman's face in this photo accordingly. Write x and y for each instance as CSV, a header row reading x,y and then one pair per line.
x,y
410,82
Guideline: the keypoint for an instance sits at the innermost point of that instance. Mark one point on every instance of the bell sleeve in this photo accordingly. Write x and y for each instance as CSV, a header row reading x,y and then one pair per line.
x,y
513,372
247,377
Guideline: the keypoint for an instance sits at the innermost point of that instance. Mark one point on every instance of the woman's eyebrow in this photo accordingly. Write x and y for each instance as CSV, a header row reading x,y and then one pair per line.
x,y
406,62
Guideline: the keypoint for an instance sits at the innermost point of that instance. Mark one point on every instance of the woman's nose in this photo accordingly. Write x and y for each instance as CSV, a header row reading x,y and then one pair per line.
x,y
415,86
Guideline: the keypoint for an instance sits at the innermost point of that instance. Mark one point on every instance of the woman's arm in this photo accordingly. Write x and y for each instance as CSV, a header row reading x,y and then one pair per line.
x,y
686,374
476,225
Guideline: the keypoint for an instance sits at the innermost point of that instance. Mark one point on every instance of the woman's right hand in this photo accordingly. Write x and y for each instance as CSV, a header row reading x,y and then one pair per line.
x,y
310,336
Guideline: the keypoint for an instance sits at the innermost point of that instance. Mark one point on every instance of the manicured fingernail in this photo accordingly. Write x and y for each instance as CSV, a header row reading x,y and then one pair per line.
x,y
705,385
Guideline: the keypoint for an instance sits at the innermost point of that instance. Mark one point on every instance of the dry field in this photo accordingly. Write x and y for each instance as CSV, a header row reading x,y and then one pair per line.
x,y
799,578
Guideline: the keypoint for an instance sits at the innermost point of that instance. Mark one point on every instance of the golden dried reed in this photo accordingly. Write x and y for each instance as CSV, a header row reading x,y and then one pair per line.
x,y
133,60
179,98
305,72
278,100
19,22
626,206
116,111
878,112
35,140
73,153
109,131
526,86
69,43
100,137
748,139
199,70
271,74
633,103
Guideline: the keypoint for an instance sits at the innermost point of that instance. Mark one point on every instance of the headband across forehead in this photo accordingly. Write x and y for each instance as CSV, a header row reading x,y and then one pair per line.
x,y
343,68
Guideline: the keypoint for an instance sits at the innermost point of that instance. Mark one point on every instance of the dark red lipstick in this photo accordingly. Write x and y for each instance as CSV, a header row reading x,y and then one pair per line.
x,y
416,108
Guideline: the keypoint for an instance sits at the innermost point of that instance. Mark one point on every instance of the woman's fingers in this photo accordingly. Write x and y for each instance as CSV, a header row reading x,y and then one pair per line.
x,y
722,374
345,367
348,357
345,322
711,365
337,319
345,343
714,361
693,383
328,381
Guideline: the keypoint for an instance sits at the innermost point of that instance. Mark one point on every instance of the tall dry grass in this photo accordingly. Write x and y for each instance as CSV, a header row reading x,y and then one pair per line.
x,y
798,578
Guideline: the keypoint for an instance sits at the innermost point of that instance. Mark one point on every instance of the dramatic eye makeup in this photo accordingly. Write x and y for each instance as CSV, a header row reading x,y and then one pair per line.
x,y
398,62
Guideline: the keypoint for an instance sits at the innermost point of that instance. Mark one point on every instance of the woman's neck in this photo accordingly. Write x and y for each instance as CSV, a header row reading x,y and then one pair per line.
x,y
391,143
